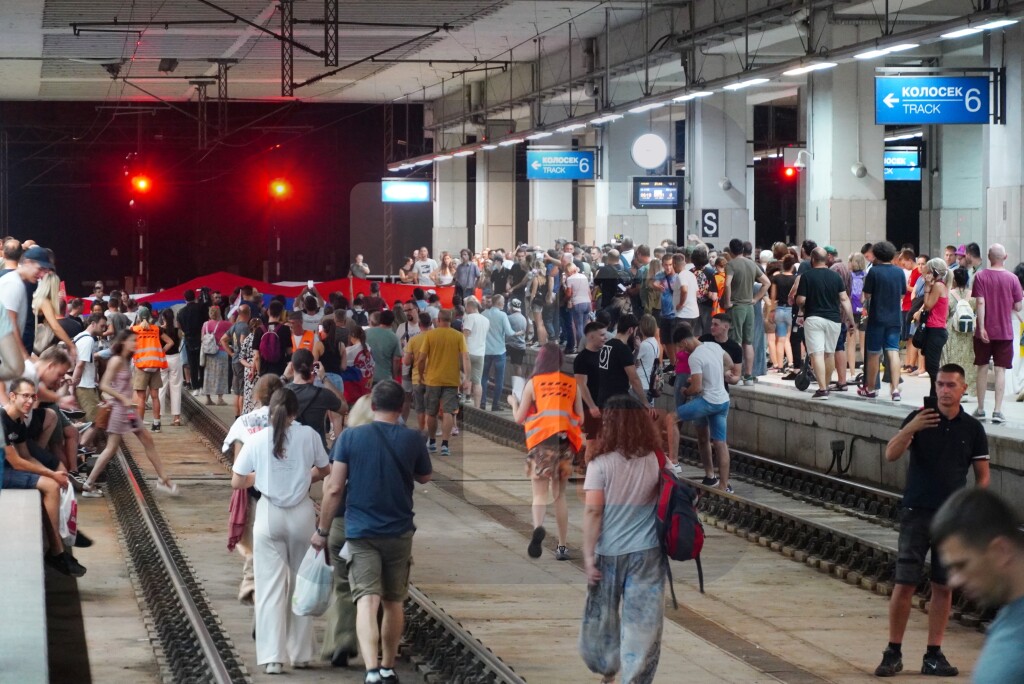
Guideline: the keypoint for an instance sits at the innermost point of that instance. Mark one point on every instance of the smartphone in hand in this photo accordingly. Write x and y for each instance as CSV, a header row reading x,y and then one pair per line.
x,y
931,403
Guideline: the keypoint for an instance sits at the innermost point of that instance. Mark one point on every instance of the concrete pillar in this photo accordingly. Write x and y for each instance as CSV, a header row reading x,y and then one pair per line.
x,y
716,144
843,210
451,232
953,191
551,203
495,198
613,191
1004,151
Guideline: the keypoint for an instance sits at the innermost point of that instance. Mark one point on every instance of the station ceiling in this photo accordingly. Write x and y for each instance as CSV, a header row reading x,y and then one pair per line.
x,y
112,49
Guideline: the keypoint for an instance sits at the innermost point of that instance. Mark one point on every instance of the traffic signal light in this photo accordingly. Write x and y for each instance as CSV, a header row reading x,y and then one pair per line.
x,y
280,188
141,183
789,173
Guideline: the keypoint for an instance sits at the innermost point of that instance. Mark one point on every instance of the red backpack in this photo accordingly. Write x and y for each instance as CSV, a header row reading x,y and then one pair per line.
x,y
679,528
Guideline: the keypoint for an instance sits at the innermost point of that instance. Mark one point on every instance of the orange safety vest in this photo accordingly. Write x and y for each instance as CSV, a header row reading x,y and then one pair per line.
x,y
306,341
149,352
554,398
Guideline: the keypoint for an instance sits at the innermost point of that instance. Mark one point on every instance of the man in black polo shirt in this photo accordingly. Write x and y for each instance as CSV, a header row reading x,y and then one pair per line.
x,y
943,445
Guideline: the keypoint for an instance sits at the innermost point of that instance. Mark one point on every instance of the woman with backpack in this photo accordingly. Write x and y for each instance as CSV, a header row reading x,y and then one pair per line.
x,y
622,554
215,357
357,366
959,347
273,354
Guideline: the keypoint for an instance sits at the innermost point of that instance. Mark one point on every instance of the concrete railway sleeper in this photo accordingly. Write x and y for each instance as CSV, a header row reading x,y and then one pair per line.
x,y
842,555
439,647
191,645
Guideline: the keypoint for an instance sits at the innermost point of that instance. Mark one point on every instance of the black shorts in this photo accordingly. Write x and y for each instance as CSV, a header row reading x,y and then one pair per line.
x,y
915,542
515,356
666,326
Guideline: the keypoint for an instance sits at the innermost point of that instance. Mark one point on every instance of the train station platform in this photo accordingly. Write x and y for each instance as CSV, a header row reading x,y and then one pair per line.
x,y
23,628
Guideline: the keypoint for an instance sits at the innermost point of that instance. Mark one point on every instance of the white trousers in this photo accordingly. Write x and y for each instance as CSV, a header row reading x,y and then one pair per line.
x,y
171,377
280,539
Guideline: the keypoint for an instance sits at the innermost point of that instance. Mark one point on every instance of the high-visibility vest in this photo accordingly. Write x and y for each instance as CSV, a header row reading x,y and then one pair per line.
x,y
149,352
554,398
305,342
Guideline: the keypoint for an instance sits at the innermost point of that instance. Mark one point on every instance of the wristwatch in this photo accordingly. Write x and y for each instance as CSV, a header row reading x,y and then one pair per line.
x,y
322,533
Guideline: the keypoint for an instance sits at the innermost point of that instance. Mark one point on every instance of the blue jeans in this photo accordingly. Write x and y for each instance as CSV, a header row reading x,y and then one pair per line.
x,y
498,362
580,315
568,329
703,413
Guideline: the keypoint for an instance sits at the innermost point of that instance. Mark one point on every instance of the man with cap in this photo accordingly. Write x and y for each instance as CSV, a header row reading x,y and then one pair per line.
x,y
832,254
15,289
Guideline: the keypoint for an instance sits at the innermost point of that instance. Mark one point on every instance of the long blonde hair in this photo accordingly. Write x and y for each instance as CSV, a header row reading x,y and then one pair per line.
x,y
48,289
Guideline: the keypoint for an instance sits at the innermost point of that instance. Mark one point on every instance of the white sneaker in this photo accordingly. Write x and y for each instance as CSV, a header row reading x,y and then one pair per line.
x,y
172,490
273,668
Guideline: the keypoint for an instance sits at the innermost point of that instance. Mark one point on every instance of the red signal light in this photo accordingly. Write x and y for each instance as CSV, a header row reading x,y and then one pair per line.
x,y
142,183
789,172
280,188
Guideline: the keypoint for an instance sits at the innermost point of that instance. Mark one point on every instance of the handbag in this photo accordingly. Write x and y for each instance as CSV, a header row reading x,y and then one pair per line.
x,y
44,339
920,335
103,411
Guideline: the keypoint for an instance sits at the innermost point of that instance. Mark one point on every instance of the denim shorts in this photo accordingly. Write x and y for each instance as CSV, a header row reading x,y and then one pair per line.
x,y
783,320
914,543
715,416
880,338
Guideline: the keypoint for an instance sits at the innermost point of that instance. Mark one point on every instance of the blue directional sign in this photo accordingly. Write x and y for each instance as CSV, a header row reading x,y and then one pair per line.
x,y
925,100
901,173
559,165
902,158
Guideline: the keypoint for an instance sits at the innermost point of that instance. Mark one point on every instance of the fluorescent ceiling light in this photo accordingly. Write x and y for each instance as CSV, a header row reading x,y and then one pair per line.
x,y
963,32
442,157
757,159
538,135
392,169
904,136
423,162
998,23
691,96
464,153
799,71
571,127
646,107
882,52
513,141
740,85
605,119
489,147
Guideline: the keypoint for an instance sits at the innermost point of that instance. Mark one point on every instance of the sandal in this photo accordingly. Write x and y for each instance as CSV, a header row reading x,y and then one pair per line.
x,y
176,422
864,392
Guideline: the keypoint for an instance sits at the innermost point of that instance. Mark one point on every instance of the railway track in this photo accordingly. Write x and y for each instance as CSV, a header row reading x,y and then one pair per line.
x,y
440,648
829,547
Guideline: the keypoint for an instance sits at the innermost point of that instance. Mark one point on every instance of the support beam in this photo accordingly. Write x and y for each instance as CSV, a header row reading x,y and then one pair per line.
x,y
287,49
331,33
202,118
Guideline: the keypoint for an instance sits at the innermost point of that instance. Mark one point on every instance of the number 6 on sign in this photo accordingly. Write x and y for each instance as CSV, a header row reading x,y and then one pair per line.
x,y
584,165
972,100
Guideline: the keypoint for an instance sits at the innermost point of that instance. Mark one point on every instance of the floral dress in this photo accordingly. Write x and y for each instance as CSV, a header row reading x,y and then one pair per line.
x,y
247,354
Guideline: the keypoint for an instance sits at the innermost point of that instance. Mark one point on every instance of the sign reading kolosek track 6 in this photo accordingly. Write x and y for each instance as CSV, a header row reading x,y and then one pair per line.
x,y
925,100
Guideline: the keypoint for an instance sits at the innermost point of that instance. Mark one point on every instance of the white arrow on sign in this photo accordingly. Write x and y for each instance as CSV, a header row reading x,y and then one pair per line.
x,y
890,100
536,165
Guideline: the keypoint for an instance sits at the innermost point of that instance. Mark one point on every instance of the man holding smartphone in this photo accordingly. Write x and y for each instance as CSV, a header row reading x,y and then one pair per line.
x,y
944,442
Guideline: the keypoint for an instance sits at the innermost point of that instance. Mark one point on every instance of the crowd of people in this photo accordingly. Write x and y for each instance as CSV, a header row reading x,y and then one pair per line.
x,y
361,394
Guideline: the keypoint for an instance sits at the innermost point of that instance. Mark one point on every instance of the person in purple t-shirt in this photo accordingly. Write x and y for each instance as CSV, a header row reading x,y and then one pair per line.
x,y
998,294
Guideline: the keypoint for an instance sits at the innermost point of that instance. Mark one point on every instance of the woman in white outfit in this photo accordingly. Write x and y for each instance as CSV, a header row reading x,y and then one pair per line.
x,y
282,462
170,390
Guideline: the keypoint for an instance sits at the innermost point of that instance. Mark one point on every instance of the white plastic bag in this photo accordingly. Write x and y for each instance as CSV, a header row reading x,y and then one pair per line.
x,y
312,592
68,516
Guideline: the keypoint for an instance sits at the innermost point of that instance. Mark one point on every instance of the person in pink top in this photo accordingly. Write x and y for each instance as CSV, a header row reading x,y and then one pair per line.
x,y
932,314
682,370
998,295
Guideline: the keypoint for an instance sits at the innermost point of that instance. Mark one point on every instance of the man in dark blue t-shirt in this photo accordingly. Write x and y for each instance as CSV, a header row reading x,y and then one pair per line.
x,y
376,464
884,287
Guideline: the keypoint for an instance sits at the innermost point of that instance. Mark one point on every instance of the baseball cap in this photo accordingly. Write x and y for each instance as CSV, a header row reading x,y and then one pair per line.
x,y
515,304
831,250
39,255
961,250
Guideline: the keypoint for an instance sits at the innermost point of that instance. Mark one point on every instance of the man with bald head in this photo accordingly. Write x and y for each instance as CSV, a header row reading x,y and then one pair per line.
x,y
822,294
998,294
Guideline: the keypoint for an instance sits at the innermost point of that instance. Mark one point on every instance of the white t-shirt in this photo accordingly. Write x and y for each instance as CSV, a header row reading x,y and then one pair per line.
x,y
406,331
245,426
424,267
311,322
646,358
14,298
580,287
477,325
284,481
85,344
687,308
708,360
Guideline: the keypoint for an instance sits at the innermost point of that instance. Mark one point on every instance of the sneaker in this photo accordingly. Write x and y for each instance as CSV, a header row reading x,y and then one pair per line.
x,y
273,668
748,380
892,664
301,665
156,426
445,451
91,491
937,665
710,482
168,489
896,396
388,675
820,394
455,430
432,447
791,375
562,553
729,489
979,413
65,564
998,417
677,469
533,550
82,541
372,677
